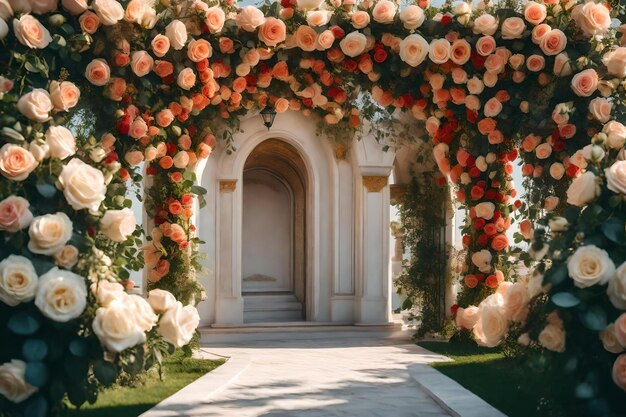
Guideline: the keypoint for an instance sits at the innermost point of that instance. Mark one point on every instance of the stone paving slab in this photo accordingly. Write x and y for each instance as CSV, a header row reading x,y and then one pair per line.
x,y
320,378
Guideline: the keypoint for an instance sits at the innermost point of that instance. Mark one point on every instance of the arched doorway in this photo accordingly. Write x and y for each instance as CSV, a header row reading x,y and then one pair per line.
x,y
274,234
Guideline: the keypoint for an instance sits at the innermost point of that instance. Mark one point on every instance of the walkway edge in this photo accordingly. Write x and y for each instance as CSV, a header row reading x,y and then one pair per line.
x,y
450,395
200,390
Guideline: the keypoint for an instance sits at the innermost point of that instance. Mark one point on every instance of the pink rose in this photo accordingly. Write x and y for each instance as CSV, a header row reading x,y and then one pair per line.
x,y
318,17
485,24
460,51
138,128
619,372
562,66
164,118
134,158
592,18
557,170
585,83
535,63
539,32
14,214
493,107
249,18
306,38
601,109
160,45
141,63
384,11
513,28
199,49
30,32
485,45
553,42
16,163
616,177
215,18
413,50
353,44
98,72
616,134
273,31
439,51
325,40
495,63
186,79
535,13
615,62
89,22
36,105
116,89
360,19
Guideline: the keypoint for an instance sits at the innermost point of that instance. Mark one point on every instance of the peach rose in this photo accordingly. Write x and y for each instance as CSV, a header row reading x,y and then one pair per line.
x,y
615,62
490,78
325,40
64,95
539,32
513,28
562,66
199,49
466,318
281,105
98,72
543,151
460,52
384,11
138,128
249,18
163,68
353,44
36,105
14,214
273,31
181,160
493,107
215,18
535,13
164,117
89,22
585,83
186,79
360,19
495,63
557,170
30,32
109,11
413,50
616,134
583,189
616,177
306,38
485,24
134,158
141,63
75,7
16,163
553,43
160,45
535,63
592,18
412,17
439,51
318,17
619,372
485,45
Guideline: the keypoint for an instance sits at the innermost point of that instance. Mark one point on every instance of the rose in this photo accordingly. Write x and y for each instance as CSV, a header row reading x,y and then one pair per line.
x,y
64,95
485,210
18,280
75,7
36,105
143,316
82,185
199,49
62,295
413,49
493,107
562,65
29,32
439,51
178,324
309,4
616,177
109,11
485,24
98,72
138,128
135,10
141,63
535,13
500,242
590,265
543,151
475,85
516,301
616,134
176,32
384,11
306,38
609,340
466,318
118,225
14,214
186,79
617,288
273,31
66,257
89,22
60,141
460,52
412,17
115,327
583,189
106,292
535,63
161,300
215,18
181,159
49,233
325,40
492,325
482,260
4,29
13,385
557,170
620,329
160,45
592,18
354,44
494,64
619,372
318,17
615,62
553,43
552,337
539,32
550,203
463,12
513,28
585,82
360,19
249,18
601,109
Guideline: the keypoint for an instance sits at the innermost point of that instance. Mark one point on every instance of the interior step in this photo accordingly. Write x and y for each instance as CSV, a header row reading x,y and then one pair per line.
x,y
261,308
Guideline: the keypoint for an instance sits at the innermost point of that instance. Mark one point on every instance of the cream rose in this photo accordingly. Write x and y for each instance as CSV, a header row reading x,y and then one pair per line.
x,y
14,214
466,318
306,38
601,109
176,32
616,177
249,18
552,337
118,225
273,31
62,295
60,141
178,324
49,233
353,44
463,12
616,134
513,28
485,24
13,385
485,210
318,17
144,316
360,19
609,340
98,72
66,257
109,11
18,280
16,163
617,288
106,292
482,260
215,18
585,83
115,326
141,63
590,265
186,79
64,95
413,50
161,300
492,324
4,29
516,301
615,62
36,105
309,4
412,17
82,185
29,32
384,11
583,189
592,18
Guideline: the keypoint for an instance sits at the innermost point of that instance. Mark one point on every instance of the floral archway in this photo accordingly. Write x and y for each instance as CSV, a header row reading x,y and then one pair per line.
x,y
91,90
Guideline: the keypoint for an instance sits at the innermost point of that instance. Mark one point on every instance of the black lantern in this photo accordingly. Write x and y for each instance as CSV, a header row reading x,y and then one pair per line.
x,y
268,114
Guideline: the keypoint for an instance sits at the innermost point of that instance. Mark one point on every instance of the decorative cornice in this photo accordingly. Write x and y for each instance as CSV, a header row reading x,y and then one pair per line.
x,y
374,183
228,185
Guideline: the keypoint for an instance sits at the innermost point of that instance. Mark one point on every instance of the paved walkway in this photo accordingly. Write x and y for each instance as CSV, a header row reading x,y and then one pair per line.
x,y
321,378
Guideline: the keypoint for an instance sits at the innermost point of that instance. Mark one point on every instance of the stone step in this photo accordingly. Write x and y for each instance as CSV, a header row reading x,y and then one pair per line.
x,y
272,316
261,298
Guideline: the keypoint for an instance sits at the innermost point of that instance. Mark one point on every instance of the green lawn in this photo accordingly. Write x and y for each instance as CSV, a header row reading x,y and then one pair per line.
x,y
133,401
506,384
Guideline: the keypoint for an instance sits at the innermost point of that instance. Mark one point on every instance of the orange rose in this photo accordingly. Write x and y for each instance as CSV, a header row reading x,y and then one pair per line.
x,y
199,50
500,243
16,163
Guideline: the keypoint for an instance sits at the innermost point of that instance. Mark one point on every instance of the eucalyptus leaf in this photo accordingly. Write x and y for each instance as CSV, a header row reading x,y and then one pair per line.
x,y
23,324
594,318
36,374
565,300
34,349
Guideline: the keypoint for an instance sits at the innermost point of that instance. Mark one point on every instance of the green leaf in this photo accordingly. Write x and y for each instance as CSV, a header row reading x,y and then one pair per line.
x,y
196,189
23,324
36,374
613,229
34,350
106,372
565,300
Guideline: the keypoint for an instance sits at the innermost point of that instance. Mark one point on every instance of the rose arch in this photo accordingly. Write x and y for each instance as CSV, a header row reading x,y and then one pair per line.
x,y
92,90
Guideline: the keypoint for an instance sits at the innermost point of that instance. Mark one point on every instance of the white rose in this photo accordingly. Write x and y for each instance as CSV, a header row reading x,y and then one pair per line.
x,y
353,44
552,337
384,11
82,185
36,105
492,324
106,292
412,17
616,177
39,150
18,280
485,210
143,314
583,189
482,260
466,318
413,49
6,11
249,18
161,300
590,265
118,225
485,24
463,12
617,288
4,29
109,11
516,301
616,134
513,28
609,340
30,32
62,295
49,233
558,224
13,385
60,141
66,257
176,32
115,326
178,324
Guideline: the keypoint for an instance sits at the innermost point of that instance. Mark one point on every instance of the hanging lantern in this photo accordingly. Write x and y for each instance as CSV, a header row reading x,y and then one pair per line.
x,y
268,114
